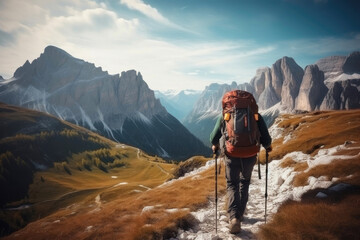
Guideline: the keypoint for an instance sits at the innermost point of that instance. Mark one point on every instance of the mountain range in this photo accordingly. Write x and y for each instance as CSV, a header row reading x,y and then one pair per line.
x,y
121,107
332,83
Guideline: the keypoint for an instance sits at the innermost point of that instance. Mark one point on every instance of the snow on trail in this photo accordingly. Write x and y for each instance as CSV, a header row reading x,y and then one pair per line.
x,y
280,189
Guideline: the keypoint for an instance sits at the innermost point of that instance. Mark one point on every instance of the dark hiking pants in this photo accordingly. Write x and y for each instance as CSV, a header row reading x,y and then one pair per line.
x,y
238,175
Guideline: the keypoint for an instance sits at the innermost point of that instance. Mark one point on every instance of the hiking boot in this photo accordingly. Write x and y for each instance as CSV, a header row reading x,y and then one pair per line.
x,y
235,226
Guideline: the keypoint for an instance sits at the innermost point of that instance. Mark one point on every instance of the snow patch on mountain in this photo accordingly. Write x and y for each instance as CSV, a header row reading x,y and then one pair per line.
x,y
143,118
162,152
342,77
106,127
86,119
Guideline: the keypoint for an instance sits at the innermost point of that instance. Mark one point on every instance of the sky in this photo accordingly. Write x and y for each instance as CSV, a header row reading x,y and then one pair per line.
x,y
179,44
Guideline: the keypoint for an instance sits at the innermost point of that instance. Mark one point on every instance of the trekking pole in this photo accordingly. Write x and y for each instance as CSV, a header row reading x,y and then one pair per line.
x,y
216,197
266,183
259,170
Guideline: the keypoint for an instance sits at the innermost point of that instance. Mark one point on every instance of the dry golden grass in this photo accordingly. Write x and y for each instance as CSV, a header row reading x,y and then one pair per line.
x,y
298,166
287,162
189,165
122,219
312,131
315,221
336,217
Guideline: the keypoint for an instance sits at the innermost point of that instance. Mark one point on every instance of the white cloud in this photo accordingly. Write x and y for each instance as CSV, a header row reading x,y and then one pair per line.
x,y
145,9
82,32
98,35
92,32
23,14
152,13
19,14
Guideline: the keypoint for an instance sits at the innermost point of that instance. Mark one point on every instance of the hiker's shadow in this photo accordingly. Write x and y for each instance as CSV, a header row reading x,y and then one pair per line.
x,y
252,221
245,233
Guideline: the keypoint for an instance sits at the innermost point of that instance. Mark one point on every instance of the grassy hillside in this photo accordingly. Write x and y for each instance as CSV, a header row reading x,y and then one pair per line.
x,y
310,132
47,164
32,141
336,216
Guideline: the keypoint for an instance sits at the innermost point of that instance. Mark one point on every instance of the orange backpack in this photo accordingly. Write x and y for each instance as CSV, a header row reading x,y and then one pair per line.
x,y
242,135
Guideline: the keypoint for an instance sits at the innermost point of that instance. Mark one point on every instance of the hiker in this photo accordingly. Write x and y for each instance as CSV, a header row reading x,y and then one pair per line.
x,y
239,125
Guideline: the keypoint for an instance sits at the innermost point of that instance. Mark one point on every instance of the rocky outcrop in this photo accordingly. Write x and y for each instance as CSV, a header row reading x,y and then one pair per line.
x,y
268,97
292,77
312,89
246,87
277,77
352,63
258,81
281,83
342,95
121,107
331,66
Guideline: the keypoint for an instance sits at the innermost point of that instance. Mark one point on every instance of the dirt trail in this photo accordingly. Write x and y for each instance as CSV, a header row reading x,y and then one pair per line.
x,y
253,218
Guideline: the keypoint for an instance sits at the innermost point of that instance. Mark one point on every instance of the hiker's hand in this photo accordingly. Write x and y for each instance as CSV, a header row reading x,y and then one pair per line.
x,y
215,148
269,149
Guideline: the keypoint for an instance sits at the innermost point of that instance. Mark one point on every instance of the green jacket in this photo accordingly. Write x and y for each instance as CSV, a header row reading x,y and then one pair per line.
x,y
265,138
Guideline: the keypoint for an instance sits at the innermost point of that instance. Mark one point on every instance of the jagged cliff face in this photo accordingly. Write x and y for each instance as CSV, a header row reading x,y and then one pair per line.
x,y
342,95
312,89
76,90
281,83
121,107
268,96
293,75
342,81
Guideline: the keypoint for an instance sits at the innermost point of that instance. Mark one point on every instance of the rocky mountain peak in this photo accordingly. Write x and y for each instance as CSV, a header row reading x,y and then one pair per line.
x,y
352,63
55,52
331,64
312,89
22,70
258,81
120,107
292,77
